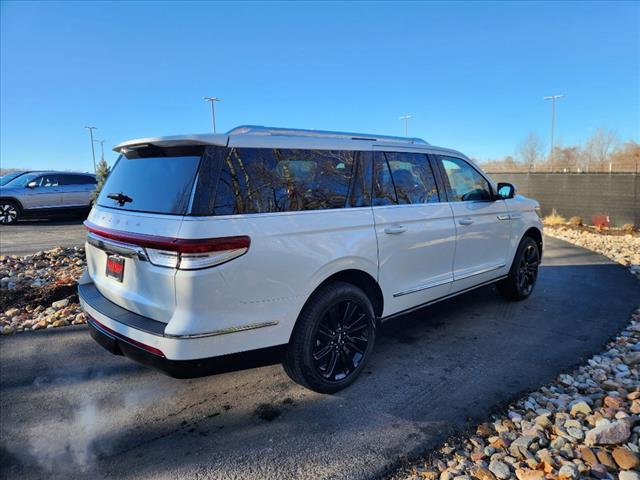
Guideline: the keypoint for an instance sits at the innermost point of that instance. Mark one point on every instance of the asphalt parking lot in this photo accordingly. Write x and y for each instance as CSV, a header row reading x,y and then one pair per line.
x,y
30,236
69,409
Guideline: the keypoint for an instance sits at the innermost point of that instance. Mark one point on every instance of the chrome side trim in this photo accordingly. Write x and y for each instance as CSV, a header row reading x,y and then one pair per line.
x,y
424,287
446,297
225,331
479,272
118,248
504,217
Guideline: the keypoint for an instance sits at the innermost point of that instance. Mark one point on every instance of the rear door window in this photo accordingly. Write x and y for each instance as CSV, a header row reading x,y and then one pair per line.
x,y
78,180
261,180
152,179
403,178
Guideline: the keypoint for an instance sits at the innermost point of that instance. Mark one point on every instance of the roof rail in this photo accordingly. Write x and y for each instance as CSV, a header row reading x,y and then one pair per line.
x,y
295,132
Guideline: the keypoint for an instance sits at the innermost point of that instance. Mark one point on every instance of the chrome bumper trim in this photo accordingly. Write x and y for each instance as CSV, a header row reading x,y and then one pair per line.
x,y
224,331
115,247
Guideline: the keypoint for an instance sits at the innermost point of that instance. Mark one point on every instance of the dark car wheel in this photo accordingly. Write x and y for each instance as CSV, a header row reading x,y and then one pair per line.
x,y
332,340
523,273
9,212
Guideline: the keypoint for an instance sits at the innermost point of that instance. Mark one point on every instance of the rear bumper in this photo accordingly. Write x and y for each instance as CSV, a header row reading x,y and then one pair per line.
x,y
141,339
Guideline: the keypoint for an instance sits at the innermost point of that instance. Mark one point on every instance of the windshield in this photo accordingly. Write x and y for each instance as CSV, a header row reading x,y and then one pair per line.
x,y
8,177
153,180
22,180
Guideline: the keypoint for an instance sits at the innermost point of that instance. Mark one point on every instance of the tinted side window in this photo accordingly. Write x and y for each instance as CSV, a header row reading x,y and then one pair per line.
x,y
403,178
257,180
78,180
48,181
465,183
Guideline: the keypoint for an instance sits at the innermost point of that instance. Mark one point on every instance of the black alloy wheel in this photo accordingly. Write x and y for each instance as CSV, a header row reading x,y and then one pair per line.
x,y
341,340
528,269
333,338
523,274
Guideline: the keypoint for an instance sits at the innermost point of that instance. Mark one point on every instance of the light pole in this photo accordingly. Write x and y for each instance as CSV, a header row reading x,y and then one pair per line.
x,y
101,142
93,151
406,123
212,101
553,99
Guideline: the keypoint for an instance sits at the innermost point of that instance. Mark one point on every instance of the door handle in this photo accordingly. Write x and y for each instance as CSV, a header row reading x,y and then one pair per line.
x,y
465,221
395,229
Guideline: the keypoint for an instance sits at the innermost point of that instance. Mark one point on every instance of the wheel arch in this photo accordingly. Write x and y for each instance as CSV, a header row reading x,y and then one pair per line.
x,y
360,279
12,200
536,234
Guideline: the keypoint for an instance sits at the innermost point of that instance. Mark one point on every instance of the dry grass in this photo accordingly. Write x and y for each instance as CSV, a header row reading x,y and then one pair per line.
x,y
576,221
554,219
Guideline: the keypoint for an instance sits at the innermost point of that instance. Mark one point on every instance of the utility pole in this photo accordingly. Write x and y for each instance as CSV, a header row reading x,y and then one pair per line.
x,y
553,99
101,142
93,151
406,123
212,101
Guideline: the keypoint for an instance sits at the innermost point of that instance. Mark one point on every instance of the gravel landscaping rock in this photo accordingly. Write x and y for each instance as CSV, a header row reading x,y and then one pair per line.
x,y
586,424
39,291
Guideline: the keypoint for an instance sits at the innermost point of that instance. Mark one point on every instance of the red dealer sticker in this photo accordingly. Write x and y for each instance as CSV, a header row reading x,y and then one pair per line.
x,y
115,267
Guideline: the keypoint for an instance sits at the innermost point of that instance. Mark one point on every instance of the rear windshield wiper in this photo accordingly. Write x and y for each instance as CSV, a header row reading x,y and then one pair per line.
x,y
121,198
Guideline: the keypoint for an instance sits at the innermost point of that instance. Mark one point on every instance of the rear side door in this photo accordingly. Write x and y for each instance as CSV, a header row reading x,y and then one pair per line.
x,y
76,190
481,221
414,228
46,193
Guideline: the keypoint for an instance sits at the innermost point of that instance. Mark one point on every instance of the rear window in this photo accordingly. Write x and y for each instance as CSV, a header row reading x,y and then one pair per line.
x,y
153,180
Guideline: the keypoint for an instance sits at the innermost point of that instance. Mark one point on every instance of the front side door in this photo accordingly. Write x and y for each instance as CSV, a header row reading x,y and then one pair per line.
x,y
46,193
415,231
482,224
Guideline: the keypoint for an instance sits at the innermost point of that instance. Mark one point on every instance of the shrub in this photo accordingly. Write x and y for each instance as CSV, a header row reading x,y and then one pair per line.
x,y
102,173
600,221
628,227
554,219
576,221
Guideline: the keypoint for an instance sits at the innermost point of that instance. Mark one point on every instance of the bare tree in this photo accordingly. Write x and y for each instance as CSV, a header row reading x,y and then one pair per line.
x,y
531,150
598,149
566,159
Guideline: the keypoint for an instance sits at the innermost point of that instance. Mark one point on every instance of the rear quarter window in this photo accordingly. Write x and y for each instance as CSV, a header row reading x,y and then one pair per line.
x,y
261,180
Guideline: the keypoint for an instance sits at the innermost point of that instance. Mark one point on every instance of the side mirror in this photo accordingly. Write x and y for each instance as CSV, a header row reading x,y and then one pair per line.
x,y
33,184
506,191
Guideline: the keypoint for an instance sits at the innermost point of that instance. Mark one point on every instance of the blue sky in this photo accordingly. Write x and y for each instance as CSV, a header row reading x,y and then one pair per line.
x,y
472,74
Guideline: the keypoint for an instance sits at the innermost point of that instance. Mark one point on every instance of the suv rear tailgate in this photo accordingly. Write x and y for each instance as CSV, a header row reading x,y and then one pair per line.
x,y
145,289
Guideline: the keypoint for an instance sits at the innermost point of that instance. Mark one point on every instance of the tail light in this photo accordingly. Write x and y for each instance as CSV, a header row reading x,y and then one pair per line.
x,y
184,254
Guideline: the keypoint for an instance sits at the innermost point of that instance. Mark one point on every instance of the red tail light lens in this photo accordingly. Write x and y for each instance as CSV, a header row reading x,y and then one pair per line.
x,y
182,253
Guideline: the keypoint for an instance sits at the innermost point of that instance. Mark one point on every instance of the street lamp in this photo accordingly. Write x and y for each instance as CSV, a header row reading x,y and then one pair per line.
x,y
93,151
101,142
212,101
553,99
406,123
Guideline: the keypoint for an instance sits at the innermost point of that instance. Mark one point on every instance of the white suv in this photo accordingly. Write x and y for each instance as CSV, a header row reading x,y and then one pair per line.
x,y
210,253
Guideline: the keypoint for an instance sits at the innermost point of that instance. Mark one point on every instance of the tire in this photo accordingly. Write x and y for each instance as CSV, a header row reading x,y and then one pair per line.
x,y
332,340
9,212
523,273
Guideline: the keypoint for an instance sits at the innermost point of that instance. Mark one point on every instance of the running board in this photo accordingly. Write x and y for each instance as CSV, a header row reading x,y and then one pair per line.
x,y
440,299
